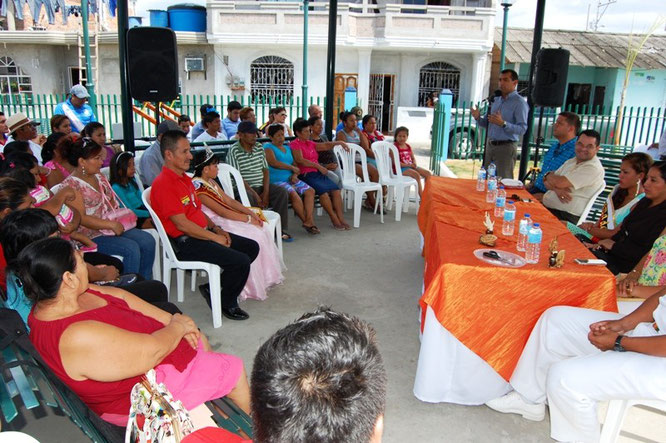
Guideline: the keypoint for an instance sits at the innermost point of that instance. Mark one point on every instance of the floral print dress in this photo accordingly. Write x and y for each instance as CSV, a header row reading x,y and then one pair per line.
x,y
654,269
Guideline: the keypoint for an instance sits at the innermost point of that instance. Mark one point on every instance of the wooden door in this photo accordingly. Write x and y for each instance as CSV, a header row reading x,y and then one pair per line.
x,y
341,82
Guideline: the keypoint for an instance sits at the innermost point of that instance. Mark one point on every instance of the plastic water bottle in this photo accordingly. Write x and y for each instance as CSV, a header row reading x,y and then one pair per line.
x,y
492,169
523,229
533,244
481,180
491,194
508,225
500,201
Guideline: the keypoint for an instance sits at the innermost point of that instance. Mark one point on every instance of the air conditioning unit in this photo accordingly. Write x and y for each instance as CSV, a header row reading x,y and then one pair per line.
x,y
195,64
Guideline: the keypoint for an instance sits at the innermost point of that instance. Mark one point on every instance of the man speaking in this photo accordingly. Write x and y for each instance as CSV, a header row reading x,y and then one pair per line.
x,y
506,122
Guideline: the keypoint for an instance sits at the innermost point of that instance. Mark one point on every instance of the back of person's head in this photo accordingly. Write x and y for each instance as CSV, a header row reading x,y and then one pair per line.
x,y
209,118
90,128
56,121
274,129
233,106
18,166
205,109
20,228
183,118
592,133
319,379
16,146
50,146
41,266
572,119
74,149
513,74
13,194
170,140
300,124
118,167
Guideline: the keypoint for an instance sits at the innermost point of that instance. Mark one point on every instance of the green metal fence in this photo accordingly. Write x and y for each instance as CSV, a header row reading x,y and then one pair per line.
x,y
40,107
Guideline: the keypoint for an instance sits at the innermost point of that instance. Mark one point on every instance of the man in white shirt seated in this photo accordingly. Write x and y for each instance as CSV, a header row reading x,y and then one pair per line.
x,y
212,128
571,186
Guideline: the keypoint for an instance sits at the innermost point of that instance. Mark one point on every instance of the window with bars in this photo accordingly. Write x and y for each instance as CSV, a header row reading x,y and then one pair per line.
x,y
12,78
436,76
272,78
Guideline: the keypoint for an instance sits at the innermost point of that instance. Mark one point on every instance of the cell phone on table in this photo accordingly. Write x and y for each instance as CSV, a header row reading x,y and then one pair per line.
x,y
589,261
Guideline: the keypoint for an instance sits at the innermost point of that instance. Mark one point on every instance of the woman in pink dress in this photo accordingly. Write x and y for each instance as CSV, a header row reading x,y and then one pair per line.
x,y
232,216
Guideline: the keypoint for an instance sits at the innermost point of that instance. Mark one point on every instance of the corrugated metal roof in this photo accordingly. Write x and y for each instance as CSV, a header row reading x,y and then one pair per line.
x,y
598,49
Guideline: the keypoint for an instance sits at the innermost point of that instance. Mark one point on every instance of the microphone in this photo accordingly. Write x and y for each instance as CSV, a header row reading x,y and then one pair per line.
x,y
491,98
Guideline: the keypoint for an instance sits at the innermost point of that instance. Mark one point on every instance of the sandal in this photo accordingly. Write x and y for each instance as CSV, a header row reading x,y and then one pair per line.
x,y
286,237
347,226
312,229
339,227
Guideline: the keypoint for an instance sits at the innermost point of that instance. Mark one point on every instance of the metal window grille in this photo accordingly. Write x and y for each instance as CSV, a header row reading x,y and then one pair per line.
x,y
12,79
271,78
436,76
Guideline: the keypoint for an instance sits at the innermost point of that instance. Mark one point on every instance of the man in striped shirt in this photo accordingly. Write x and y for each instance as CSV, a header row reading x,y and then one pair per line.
x,y
248,157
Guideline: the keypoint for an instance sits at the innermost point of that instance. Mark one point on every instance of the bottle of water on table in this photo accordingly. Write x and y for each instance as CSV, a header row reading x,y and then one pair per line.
x,y
500,201
481,180
491,194
533,244
523,229
492,170
508,225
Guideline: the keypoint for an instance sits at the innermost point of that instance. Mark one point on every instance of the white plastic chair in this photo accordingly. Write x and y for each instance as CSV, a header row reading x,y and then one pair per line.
x,y
399,186
590,203
351,185
617,410
170,261
224,175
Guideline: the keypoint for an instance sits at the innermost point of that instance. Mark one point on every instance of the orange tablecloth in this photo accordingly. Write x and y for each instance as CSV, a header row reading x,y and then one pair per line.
x,y
491,309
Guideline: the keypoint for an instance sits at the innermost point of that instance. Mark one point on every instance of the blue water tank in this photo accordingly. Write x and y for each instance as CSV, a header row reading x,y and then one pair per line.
x,y
159,18
187,17
134,22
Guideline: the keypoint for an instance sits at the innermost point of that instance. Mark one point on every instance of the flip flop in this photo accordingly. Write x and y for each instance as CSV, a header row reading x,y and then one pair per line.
x,y
313,230
339,227
347,226
287,238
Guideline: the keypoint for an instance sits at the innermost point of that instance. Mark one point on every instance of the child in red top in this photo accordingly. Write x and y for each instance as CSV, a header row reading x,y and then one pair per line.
x,y
407,160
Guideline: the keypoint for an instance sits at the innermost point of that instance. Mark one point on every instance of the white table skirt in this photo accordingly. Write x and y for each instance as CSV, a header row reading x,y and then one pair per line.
x,y
449,372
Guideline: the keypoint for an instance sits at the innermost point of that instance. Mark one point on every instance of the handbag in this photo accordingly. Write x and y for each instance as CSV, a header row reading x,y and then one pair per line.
x,y
124,216
154,414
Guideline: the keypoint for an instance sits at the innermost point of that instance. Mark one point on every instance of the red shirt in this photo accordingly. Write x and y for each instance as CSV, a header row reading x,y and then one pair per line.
x,y
309,150
173,194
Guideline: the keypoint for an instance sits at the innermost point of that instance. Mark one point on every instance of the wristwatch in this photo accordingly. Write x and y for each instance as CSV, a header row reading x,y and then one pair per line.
x,y
618,344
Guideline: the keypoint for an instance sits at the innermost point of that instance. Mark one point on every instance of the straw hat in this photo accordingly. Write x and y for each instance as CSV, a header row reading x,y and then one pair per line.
x,y
19,120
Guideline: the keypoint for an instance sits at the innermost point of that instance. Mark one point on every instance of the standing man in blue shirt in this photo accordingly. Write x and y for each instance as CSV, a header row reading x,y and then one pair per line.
x,y
76,109
506,123
232,120
565,130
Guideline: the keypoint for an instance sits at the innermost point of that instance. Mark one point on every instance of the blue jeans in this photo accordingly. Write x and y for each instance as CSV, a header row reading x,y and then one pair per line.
x,y
137,248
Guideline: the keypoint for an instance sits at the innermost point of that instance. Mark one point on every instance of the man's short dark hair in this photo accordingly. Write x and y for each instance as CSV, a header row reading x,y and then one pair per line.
x,y
319,379
592,133
234,105
170,141
514,74
209,118
183,118
573,119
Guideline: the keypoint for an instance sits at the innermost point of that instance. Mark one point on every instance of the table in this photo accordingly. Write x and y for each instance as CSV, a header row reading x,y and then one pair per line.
x,y
476,317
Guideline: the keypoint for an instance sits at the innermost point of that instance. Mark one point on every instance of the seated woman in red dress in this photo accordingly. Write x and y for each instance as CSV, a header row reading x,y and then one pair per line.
x,y
100,341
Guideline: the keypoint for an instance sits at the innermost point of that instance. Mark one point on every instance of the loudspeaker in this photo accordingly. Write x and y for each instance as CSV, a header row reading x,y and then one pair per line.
x,y
152,64
552,67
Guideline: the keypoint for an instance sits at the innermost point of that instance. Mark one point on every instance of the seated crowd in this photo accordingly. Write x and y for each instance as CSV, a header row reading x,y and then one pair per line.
x,y
77,262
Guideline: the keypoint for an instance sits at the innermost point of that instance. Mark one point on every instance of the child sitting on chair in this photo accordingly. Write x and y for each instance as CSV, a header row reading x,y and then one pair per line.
x,y
407,159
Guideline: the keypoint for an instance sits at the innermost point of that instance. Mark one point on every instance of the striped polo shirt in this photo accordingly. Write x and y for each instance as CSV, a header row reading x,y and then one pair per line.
x,y
250,164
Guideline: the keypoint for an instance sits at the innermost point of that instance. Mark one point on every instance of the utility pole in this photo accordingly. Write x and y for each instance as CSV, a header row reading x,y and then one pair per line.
x,y
304,87
125,99
593,25
330,66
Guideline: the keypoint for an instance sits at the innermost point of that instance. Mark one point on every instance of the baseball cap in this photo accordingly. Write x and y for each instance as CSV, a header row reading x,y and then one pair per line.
x,y
80,91
167,125
18,120
247,127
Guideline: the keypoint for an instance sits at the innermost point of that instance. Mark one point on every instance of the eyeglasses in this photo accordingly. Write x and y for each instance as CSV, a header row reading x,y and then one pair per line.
x,y
282,114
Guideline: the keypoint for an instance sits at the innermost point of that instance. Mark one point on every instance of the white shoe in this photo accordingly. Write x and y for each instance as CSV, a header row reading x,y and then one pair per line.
x,y
513,403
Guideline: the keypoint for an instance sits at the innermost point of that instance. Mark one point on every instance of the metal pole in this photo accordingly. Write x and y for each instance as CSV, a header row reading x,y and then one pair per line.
x,y
504,26
305,58
125,99
90,82
330,66
536,45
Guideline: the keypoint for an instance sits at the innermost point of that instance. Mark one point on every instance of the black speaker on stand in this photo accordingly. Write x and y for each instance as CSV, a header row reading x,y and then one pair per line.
x,y
550,81
152,65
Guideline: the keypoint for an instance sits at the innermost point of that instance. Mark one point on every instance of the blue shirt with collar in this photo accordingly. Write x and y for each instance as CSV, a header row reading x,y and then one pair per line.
x,y
513,109
554,158
230,127
84,113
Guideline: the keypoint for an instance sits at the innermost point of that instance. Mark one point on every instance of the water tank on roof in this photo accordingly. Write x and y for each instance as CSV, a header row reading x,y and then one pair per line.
x,y
187,17
159,18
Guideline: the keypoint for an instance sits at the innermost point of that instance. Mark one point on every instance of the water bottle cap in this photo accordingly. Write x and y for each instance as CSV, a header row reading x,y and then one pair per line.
x,y
527,215
501,187
536,225
510,202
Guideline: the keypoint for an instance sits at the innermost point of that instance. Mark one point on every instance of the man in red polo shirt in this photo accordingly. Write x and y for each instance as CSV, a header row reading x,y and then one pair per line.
x,y
194,236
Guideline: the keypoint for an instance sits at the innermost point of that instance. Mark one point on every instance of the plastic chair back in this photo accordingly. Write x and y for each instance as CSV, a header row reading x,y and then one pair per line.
x,y
225,173
590,203
347,161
